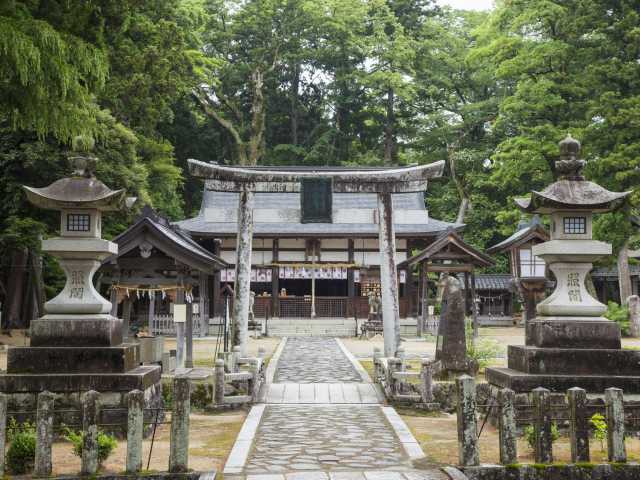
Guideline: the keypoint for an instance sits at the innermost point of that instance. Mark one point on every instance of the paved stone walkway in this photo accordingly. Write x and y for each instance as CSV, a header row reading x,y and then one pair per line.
x,y
322,422
304,438
314,360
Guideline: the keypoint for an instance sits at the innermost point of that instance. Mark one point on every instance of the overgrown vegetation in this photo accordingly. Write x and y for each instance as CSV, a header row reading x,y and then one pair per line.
x,y
530,435
483,350
106,443
22,447
600,429
620,315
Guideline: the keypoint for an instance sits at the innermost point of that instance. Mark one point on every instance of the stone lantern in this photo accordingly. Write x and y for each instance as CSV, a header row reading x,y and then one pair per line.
x,y
569,343
77,345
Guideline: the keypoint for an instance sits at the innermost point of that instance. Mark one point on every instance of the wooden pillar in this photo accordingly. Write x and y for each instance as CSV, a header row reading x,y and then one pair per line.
x,y
388,275
421,301
188,362
351,284
214,285
409,287
180,327
113,294
242,289
474,307
151,313
275,281
202,304
467,310
126,317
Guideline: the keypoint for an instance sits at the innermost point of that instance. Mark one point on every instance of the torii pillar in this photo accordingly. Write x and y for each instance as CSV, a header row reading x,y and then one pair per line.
x,y
383,182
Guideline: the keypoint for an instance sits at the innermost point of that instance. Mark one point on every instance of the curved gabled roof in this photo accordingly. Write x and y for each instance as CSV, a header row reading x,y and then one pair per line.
x,y
76,192
170,240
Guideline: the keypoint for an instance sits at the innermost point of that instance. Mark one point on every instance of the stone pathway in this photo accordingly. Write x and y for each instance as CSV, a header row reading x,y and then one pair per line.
x,y
320,437
322,421
315,360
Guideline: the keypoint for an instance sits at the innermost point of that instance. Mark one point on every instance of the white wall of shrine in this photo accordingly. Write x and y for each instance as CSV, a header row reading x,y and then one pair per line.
x,y
366,252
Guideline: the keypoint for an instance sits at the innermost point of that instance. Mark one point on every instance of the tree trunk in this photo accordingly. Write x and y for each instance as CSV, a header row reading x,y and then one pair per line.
x,y
293,94
464,199
624,275
390,151
12,315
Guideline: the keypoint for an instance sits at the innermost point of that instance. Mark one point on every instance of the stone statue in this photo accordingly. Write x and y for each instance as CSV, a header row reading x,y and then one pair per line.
x,y
252,301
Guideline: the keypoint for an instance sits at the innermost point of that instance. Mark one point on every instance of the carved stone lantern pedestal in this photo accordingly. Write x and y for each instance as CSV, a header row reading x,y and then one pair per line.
x,y
78,345
569,342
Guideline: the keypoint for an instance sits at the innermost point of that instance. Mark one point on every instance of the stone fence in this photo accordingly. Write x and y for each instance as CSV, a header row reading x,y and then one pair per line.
x,y
242,377
544,420
46,424
401,385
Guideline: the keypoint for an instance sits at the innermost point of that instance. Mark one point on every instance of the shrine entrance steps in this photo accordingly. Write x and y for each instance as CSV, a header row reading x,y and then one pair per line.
x,y
323,419
316,327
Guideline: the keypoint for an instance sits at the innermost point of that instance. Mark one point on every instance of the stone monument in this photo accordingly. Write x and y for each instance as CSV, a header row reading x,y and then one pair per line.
x,y
451,349
77,345
570,343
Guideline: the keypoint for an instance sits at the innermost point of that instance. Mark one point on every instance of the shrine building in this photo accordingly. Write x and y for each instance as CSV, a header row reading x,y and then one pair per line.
x,y
316,242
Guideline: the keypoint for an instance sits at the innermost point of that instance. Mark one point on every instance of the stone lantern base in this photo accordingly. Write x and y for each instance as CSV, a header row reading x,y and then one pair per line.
x,y
566,353
72,355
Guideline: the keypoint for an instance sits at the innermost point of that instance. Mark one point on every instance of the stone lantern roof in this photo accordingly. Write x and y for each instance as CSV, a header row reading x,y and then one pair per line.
x,y
81,190
572,191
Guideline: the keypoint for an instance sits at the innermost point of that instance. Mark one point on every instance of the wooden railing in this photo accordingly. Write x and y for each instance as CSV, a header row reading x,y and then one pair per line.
x,y
164,325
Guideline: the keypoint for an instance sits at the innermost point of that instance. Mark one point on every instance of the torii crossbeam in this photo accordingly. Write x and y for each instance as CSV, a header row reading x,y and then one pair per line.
x,y
384,182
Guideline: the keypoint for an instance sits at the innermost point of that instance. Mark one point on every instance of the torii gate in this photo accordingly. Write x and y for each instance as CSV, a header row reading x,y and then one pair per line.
x,y
384,182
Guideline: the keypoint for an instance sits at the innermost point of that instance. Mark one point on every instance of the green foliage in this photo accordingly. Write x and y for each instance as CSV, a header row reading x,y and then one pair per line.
x,y
485,349
106,443
530,436
22,447
620,315
599,425
48,74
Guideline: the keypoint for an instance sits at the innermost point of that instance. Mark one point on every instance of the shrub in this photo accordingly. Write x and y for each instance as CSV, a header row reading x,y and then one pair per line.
x,y
620,315
529,434
21,454
106,443
599,425
484,350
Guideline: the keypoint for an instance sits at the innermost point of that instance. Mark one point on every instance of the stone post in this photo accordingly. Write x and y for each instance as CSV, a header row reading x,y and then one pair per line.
x,y
255,381
634,315
614,402
3,430
135,429
507,427
388,275
393,365
467,424
235,359
44,434
402,357
242,288
90,416
579,424
426,382
179,447
218,391
543,447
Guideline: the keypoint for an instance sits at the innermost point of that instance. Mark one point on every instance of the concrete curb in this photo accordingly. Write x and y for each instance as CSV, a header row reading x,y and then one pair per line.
x,y
356,364
242,447
408,441
273,363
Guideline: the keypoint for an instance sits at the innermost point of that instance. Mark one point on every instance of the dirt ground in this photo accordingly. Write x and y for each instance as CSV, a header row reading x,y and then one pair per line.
x,y
210,441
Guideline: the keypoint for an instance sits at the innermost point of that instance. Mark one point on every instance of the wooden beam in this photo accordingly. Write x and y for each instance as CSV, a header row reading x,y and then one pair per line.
x,y
449,268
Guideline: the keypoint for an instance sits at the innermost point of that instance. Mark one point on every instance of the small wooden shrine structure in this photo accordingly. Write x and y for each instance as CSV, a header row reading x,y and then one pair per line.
x,y
158,265
448,254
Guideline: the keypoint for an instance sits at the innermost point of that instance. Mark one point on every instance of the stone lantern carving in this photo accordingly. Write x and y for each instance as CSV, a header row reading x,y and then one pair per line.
x,y
77,345
569,343
571,251
80,199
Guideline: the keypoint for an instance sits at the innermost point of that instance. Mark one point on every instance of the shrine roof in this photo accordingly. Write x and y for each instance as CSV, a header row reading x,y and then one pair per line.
x,y
523,235
494,281
201,226
173,242
450,246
